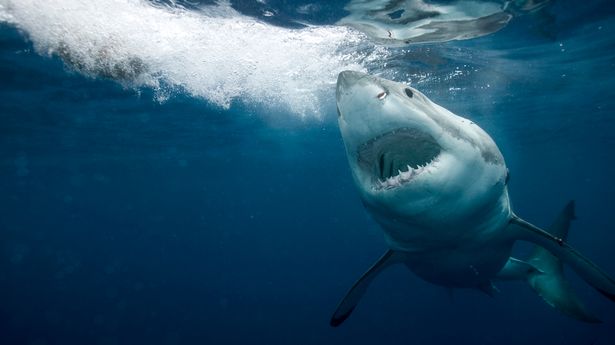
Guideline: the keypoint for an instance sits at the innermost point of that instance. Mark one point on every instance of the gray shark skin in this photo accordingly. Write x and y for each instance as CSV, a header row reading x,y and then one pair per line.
x,y
437,185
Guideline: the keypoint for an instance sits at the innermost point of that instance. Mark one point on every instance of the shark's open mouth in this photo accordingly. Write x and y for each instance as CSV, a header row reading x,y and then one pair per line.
x,y
395,158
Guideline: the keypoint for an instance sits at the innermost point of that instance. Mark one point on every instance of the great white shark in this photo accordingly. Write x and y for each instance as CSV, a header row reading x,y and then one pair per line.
x,y
437,185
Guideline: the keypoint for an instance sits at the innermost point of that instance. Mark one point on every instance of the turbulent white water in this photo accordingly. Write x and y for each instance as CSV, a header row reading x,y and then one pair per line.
x,y
214,53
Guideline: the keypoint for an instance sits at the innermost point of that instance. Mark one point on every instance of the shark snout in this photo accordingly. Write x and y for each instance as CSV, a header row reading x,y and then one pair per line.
x,y
345,80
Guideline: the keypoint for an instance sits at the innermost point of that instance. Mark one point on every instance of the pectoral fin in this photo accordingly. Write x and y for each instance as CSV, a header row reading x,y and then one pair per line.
x,y
548,258
352,298
552,286
489,289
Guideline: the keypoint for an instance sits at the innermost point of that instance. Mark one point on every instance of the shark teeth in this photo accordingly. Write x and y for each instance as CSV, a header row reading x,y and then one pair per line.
x,y
404,176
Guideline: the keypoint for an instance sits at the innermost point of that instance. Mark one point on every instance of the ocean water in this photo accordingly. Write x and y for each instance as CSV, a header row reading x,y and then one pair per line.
x,y
172,172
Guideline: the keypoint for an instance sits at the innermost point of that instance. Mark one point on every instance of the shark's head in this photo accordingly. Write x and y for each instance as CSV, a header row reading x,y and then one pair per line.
x,y
411,158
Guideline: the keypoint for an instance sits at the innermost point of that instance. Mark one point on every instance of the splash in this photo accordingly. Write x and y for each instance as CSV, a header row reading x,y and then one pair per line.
x,y
214,52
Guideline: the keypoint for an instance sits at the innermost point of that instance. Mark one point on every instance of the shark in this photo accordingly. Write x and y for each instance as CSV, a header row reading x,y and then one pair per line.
x,y
437,184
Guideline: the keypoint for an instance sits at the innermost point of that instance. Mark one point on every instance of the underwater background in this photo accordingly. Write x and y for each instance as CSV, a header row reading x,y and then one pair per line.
x,y
172,172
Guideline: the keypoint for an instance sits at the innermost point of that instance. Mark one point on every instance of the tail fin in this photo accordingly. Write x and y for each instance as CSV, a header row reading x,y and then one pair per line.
x,y
548,280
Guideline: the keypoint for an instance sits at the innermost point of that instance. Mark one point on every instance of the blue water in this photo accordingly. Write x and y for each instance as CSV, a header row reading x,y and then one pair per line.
x,y
140,213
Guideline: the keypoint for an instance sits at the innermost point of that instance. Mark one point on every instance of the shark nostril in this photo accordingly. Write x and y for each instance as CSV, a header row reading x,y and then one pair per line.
x,y
338,112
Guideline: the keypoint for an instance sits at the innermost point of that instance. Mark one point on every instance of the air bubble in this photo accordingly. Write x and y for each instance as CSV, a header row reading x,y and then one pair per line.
x,y
214,53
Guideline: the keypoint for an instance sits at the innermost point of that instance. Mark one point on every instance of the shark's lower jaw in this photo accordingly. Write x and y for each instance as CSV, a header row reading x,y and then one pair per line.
x,y
395,158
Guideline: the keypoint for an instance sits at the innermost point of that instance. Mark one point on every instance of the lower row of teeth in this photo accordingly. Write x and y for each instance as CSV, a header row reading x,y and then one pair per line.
x,y
401,177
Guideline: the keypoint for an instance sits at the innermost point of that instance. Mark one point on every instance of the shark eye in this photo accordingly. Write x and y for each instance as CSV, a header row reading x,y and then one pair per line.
x,y
408,93
381,95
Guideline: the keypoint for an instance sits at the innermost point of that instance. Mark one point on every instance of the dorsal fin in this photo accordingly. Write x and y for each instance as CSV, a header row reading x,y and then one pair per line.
x,y
559,228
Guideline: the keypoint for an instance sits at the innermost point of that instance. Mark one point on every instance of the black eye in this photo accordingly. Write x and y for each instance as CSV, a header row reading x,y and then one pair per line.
x,y
408,93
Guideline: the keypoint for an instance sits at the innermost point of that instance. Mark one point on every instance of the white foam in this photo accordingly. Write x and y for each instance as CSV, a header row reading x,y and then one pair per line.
x,y
214,53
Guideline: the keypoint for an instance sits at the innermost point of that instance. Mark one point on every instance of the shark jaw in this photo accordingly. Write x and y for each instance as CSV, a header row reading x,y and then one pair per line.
x,y
393,145
397,157
413,159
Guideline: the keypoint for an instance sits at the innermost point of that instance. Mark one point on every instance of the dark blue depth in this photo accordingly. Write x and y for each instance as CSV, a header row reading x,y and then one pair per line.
x,y
128,221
